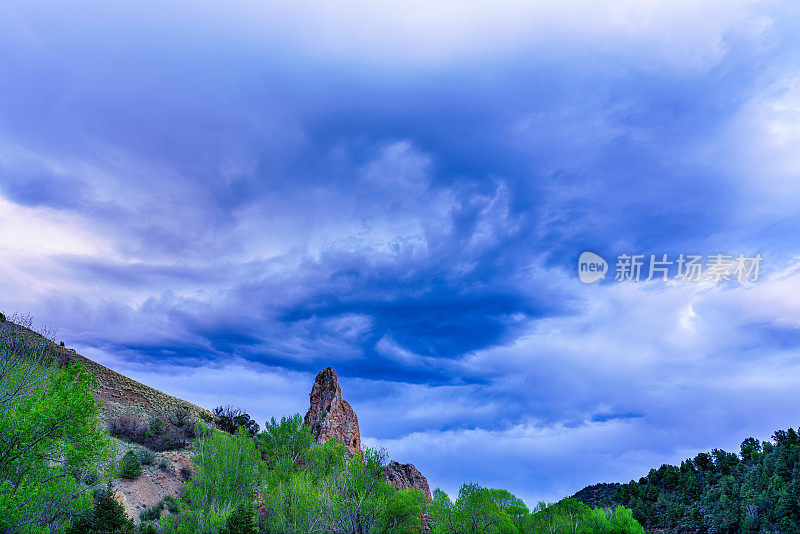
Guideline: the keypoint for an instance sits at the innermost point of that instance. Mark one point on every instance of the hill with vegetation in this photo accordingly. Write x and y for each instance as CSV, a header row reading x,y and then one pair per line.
x,y
85,450
756,490
119,395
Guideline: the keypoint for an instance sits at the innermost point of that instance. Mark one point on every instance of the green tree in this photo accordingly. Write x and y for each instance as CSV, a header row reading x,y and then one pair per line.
x,y
228,469
285,439
512,505
107,516
475,510
326,459
403,512
597,522
573,515
543,519
622,522
229,418
293,504
129,465
354,497
242,520
51,443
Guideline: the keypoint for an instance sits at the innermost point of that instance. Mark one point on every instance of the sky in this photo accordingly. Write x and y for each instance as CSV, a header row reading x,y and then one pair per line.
x,y
220,200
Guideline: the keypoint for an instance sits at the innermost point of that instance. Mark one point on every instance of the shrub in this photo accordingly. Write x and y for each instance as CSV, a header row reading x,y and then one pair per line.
x,y
156,436
129,466
229,419
156,427
125,427
152,513
147,528
2,318
171,503
180,418
106,515
164,464
190,431
146,456
186,473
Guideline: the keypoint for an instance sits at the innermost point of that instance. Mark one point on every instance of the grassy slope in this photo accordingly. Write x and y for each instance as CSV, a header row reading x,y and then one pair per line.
x,y
119,394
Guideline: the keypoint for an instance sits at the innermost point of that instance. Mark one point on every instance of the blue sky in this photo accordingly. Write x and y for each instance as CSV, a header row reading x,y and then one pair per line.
x,y
221,200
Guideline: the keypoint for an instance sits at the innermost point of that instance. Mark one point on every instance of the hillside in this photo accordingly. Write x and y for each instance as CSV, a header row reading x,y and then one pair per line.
x,y
119,395
602,494
756,490
127,409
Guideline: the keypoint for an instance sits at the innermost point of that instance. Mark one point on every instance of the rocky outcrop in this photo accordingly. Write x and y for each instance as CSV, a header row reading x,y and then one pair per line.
x,y
330,416
407,476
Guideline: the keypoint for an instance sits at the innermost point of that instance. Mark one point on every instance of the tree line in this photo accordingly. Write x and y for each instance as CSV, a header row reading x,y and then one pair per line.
x,y
754,491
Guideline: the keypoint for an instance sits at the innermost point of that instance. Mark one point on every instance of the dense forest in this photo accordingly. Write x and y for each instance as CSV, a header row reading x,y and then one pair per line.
x,y
754,491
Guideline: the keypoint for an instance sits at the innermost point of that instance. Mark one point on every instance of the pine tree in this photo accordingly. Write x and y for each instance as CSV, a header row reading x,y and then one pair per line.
x,y
129,466
106,517
242,520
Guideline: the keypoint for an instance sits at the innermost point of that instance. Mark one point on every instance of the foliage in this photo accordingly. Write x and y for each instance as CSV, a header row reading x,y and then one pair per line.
x,y
288,439
293,504
156,427
181,418
228,470
757,490
186,473
152,513
242,520
291,499
155,436
321,492
353,498
229,419
571,516
51,443
476,509
171,503
106,516
403,512
146,456
129,466
325,460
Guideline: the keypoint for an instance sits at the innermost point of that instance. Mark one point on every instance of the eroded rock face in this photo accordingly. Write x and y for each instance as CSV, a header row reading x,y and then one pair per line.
x,y
407,476
330,416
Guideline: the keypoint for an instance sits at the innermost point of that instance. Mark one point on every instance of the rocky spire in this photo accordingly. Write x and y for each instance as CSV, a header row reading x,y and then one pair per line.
x,y
330,416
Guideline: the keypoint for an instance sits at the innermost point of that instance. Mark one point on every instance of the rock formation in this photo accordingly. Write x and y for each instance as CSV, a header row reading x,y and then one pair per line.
x,y
330,416
407,476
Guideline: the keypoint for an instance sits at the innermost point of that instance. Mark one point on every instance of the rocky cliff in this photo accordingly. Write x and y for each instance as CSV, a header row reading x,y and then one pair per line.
x,y
407,476
330,416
